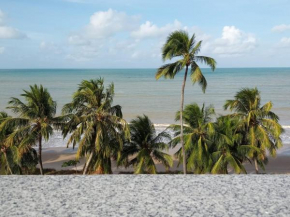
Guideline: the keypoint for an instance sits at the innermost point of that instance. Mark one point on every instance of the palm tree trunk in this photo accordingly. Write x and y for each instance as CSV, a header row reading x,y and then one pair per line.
x,y
8,166
256,166
181,120
40,154
100,170
84,167
88,163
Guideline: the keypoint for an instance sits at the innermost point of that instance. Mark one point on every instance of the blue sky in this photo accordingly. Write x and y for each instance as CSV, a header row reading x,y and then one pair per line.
x,y
130,33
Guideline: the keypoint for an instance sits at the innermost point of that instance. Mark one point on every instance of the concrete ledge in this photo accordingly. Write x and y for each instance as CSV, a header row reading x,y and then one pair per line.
x,y
145,195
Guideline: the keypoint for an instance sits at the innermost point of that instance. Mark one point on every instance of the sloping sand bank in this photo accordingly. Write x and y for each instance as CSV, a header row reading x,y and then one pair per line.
x,y
53,158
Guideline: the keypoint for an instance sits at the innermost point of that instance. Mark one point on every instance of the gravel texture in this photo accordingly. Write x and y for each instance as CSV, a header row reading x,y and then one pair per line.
x,y
145,195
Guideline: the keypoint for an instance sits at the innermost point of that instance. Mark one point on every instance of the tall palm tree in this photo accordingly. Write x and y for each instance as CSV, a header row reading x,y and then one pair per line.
x,y
35,120
198,130
146,147
261,126
95,125
179,44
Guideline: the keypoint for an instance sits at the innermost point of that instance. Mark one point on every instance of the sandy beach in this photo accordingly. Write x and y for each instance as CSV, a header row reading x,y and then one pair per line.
x,y
53,158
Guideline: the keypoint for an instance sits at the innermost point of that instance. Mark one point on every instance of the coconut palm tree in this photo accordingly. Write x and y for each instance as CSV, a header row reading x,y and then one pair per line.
x,y
179,44
94,123
7,155
228,149
198,130
146,147
35,120
261,126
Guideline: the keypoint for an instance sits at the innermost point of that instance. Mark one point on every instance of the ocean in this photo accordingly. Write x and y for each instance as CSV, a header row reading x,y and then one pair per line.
x,y
138,92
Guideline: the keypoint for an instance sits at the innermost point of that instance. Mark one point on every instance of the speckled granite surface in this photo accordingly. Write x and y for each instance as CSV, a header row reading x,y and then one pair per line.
x,y
145,195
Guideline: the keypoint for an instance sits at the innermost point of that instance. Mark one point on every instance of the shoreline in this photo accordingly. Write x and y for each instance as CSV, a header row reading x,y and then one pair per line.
x,y
53,158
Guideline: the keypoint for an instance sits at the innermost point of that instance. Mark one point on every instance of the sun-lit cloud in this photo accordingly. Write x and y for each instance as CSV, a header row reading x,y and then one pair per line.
x,y
284,42
150,30
7,32
281,28
50,47
105,24
234,42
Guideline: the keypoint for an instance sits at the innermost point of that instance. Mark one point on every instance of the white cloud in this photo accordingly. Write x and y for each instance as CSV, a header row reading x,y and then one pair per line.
x,y
7,32
149,30
234,42
51,47
281,28
284,42
78,40
2,49
99,35
108,23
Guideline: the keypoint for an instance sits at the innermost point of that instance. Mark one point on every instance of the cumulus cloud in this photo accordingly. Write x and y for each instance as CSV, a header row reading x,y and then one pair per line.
x,y
113,32
7,32
105,24
149,30
51,47
234,42
281,28
78,40
99,35
284,42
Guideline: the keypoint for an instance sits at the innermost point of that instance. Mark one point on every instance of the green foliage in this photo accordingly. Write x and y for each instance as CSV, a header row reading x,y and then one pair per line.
x,y
70,163
95,125
145,147
198,130
228,150
261,126
179,44
12,160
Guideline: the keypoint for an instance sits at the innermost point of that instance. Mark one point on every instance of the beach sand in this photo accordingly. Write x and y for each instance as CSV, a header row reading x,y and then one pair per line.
x,y
53,158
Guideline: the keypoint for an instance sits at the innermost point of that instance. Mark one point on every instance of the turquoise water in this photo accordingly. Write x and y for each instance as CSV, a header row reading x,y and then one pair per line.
x,y
139,93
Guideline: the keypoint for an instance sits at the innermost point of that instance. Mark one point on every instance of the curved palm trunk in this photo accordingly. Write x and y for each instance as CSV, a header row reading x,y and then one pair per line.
x,y
181,120
84,167
8,166
40,154
88,163
256,166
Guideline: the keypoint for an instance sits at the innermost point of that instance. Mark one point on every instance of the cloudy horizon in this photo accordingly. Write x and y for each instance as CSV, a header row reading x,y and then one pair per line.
x,y
127,34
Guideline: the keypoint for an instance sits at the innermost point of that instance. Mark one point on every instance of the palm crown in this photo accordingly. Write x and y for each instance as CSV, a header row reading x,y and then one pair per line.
x,y
197,132
95,125
35,119
262,129
179,44
146,147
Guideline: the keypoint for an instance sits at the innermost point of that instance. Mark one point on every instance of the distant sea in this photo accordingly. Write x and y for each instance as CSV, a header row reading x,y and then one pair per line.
x,y
139,93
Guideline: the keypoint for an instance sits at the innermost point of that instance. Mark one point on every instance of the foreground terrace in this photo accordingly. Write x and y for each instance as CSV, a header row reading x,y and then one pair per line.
x,y
145,195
